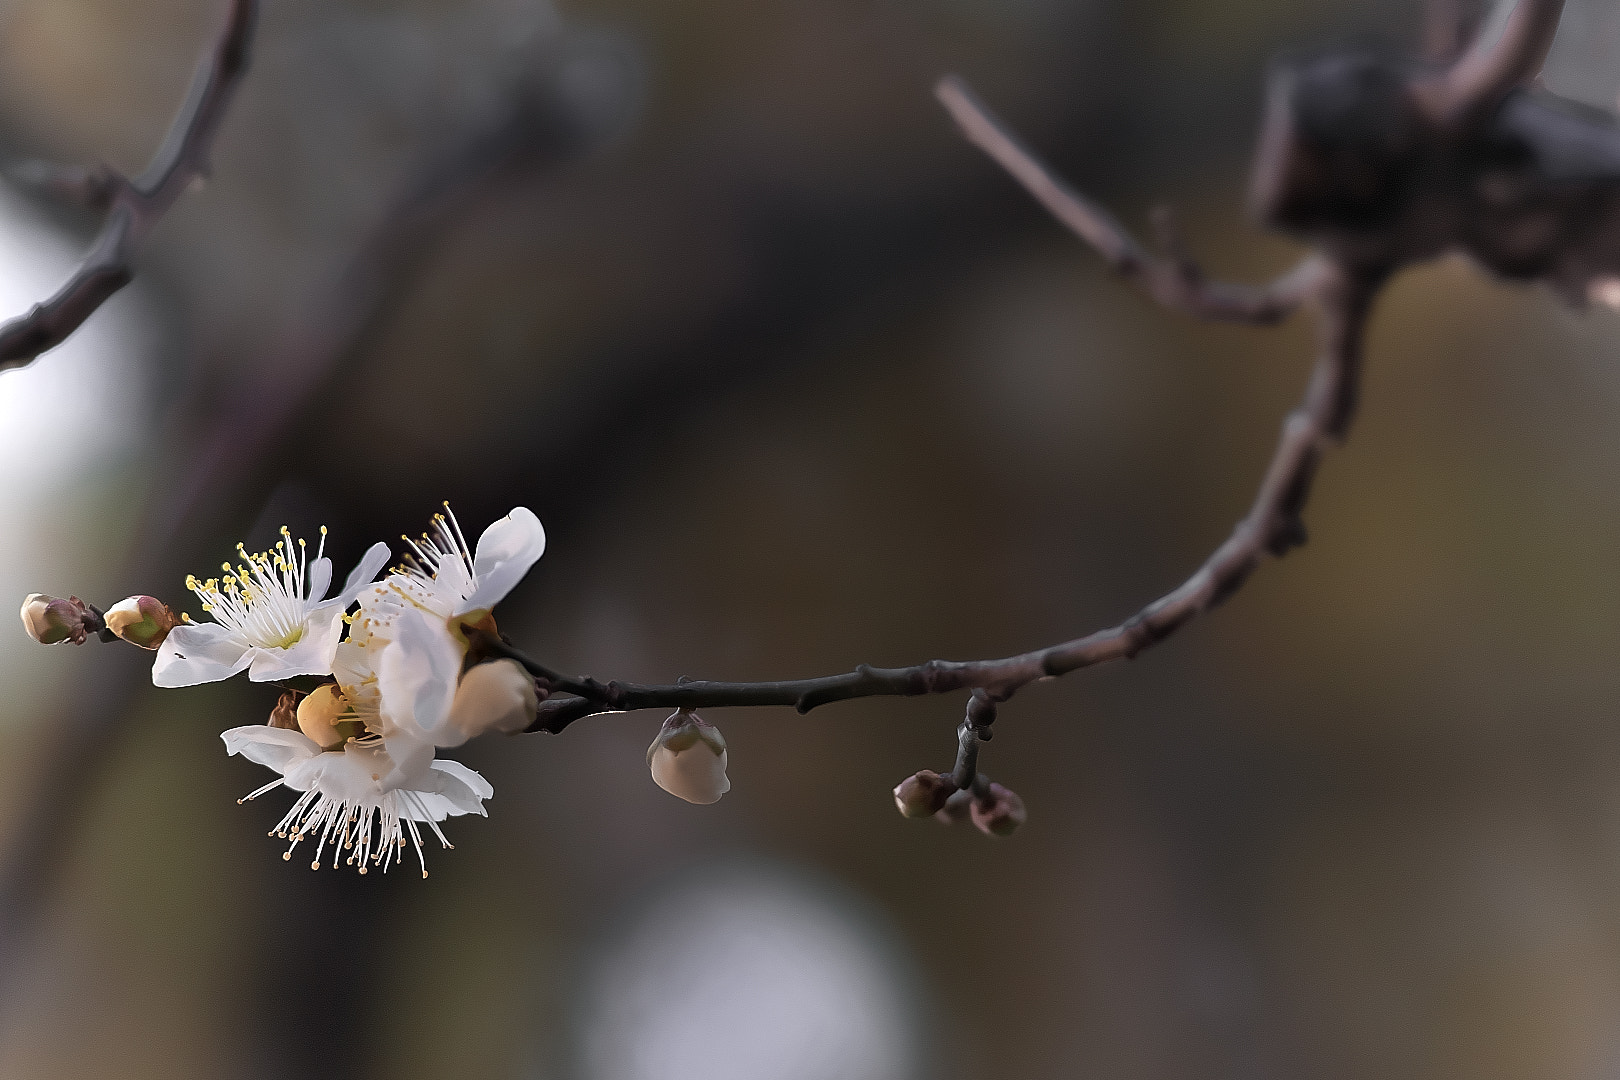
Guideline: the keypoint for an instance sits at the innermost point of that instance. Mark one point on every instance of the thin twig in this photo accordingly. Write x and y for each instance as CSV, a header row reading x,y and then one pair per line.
x,y
1449,27
1484,75
1175,280
134,206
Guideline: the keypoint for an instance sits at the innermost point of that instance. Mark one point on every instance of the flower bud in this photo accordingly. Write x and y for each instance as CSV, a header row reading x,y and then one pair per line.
x,y
50,619
141,620
1000,812
497,696
923,795
324,715
688,759
285,714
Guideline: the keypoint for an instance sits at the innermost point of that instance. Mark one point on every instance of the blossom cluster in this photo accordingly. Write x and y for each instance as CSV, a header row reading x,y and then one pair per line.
x,y
396,682
392,672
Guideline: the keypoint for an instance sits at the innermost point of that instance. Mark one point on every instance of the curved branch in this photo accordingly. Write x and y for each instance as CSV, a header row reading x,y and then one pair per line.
x,y
1175,280
1484,75
1272,526
134,206
1449,27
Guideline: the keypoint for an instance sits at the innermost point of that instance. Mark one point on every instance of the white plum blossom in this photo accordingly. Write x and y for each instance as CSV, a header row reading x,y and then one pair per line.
x,y
443,576
364,800
269,617
405,651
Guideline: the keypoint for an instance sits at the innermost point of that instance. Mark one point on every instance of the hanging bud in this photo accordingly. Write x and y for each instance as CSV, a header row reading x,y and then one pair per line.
x,y
999,812
923,795
50,619
497,696
141,620
324,715
285,714
688,759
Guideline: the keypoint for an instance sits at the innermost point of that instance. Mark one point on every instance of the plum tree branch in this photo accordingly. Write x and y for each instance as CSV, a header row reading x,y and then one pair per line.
x,y
133,206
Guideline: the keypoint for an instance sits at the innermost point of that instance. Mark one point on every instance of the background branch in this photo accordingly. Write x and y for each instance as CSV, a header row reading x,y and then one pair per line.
x,y
1480,79
133,206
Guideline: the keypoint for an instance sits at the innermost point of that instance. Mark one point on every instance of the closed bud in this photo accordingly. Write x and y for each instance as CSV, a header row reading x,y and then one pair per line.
x,y
141,620
688,759
50,619
285,714
923,795
497,696
324,715
1000,812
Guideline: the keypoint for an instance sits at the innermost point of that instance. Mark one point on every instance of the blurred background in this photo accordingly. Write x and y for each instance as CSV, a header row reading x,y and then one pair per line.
x,y
796,380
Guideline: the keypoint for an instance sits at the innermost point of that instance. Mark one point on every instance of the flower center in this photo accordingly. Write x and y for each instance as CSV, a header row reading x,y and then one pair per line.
x,y
264,597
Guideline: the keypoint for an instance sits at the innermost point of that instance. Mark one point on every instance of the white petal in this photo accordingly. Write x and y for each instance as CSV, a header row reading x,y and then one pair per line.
x,y
459,776
417,675
274,748
320,578
199,653
375,558
412,759
505,552
311,655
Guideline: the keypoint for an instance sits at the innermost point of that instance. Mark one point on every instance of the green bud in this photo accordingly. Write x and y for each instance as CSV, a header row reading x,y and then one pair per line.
x,y
143,621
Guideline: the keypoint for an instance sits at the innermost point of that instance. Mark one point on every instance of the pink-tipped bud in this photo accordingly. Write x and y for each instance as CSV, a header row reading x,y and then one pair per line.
x,y
143,621
923,795
688,759
50,620
1000,812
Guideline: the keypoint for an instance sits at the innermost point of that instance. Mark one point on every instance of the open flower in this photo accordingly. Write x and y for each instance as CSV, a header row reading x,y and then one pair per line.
x,y
269,616
405,652
365,799
442,575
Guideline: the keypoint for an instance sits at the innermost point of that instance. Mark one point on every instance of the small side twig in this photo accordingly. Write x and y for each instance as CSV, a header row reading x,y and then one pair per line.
x,y
133,205
1175,281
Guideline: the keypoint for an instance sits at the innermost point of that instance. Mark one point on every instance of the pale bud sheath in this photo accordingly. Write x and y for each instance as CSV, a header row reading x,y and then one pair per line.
x,y
497,696
325,717
143,621
50,620
688,759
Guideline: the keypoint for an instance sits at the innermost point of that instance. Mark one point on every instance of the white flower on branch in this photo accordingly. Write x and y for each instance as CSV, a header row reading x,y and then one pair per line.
x,y
405,651
269,616
365,799
443,576
688,759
